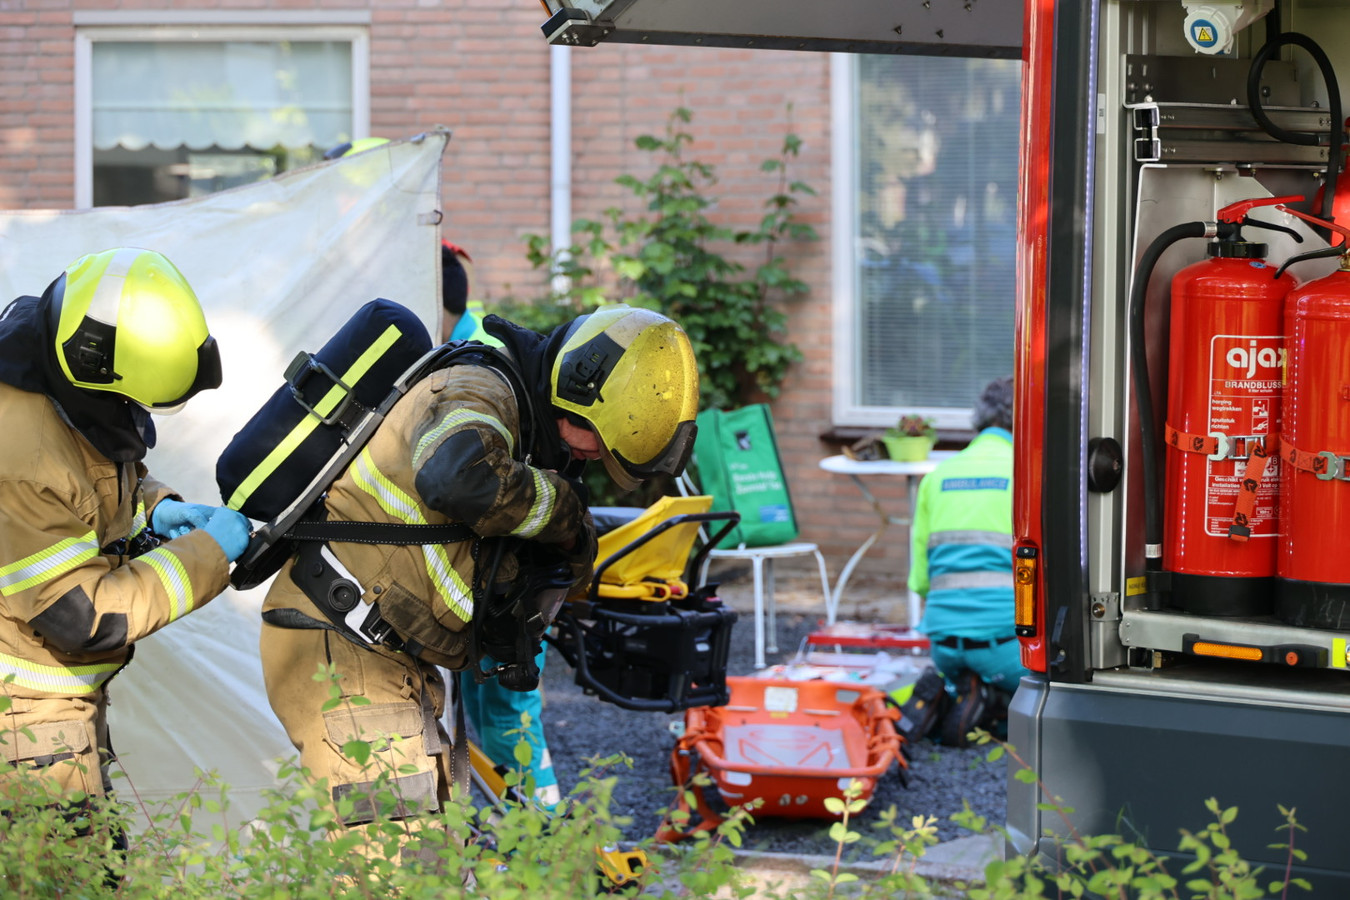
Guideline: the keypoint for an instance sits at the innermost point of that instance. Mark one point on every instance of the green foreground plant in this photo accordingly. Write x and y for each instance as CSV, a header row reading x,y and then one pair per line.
x,y
1102,866
297,848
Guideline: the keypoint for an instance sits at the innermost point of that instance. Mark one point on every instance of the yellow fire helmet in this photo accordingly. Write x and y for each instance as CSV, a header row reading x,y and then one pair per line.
x,y
630,374
127,322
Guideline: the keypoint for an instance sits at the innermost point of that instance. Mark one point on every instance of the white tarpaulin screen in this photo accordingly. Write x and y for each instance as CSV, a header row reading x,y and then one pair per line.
x,y
278,266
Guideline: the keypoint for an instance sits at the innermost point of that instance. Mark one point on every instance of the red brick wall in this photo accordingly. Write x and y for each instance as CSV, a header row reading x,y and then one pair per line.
x,y
37,105
481,67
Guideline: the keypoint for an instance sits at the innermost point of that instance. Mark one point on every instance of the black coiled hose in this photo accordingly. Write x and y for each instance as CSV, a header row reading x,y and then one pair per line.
x,y
1301,138
1148,430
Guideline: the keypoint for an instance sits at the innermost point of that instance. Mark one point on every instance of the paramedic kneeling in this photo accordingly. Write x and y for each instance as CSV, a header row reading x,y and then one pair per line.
x,y
494,445
961,563
94,553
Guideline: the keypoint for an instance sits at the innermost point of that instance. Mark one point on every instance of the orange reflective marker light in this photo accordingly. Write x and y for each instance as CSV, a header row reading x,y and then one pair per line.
x,y
1024,591
1229,651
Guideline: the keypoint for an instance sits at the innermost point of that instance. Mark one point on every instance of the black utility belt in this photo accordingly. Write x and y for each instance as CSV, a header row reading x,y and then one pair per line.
x,y
960,643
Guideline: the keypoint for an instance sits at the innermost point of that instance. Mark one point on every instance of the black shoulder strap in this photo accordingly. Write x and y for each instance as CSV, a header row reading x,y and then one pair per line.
x,y
297,523
378,532
478,353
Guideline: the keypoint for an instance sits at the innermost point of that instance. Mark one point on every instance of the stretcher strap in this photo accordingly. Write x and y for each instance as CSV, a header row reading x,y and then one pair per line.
x,y
644,590
1256,449
685,763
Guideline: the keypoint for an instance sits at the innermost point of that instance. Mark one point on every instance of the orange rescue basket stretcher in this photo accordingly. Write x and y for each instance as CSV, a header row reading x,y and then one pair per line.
x,y
791,744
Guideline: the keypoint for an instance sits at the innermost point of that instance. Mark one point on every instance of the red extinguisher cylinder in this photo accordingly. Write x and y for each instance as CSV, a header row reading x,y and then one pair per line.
x,y
1314,575
1226,361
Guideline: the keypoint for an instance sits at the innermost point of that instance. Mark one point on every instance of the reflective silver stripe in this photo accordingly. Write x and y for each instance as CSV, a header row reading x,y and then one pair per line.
x,y
455,419
47,564
963,581
545,495
108,292
395,502
989,538
174,577
138,521
56,679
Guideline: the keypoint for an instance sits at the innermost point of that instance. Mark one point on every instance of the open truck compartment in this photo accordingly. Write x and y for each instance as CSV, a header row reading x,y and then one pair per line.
x,y
1184,601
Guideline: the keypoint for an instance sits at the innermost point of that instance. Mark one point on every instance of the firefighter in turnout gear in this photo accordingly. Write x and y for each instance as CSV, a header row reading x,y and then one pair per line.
x,y
95,554
495,443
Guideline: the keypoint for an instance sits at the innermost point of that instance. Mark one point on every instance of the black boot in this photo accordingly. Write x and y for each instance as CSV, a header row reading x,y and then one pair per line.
x,y
924,708
968,712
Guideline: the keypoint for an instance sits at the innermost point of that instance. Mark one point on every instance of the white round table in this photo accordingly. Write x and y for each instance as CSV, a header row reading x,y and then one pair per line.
x,y
857,470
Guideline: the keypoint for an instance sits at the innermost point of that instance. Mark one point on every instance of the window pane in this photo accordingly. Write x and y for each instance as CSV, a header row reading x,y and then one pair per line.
x,y
937,180
179,119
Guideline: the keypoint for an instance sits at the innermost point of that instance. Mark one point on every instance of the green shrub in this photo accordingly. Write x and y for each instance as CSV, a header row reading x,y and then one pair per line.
x,y
669,256
295,849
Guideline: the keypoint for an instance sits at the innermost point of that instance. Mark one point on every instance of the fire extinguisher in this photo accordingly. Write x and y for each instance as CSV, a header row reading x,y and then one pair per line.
x,y
1313,583
1219,509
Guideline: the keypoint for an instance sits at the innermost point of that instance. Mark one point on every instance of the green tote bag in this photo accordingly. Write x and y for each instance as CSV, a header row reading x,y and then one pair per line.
x,y
737,461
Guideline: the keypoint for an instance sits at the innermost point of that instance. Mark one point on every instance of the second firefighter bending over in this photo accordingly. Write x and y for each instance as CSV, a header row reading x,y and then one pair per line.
x,y
497,445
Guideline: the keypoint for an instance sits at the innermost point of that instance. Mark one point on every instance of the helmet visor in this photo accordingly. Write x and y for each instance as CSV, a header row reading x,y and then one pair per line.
x,y
207,378
671,460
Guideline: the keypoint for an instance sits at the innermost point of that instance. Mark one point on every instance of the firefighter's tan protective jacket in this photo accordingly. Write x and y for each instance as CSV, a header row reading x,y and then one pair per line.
x,y
71,602
447,452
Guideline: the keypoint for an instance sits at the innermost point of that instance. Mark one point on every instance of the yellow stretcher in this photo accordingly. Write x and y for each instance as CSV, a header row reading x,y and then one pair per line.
x,y
642,637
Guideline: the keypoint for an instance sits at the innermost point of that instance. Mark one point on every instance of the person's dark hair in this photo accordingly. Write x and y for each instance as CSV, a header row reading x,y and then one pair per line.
x,y
995,406
454,282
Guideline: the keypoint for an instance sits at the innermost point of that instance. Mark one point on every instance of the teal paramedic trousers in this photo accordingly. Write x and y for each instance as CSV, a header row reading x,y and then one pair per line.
x,y
495,714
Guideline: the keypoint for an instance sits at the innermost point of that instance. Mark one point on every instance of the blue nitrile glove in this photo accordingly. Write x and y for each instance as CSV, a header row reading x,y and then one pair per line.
x,y
230,529
174,518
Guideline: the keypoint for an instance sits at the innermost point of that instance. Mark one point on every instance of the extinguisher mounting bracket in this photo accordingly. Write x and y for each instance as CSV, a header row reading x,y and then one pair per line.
x,y
1338,467
1235,446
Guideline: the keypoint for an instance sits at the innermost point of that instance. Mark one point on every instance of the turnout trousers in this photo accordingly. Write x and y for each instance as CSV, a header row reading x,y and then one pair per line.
x,y
401,722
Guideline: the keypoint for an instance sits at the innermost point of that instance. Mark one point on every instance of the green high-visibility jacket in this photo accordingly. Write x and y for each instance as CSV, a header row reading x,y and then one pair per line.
x,y
961,541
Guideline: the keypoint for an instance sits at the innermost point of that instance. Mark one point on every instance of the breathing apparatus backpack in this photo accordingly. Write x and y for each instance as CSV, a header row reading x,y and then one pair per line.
x,y
279,467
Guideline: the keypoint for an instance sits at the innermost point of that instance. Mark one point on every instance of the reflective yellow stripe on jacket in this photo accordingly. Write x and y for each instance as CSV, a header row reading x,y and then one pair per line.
x,y
454,420
174,577
47,564
56,679
537,517
140,520
395,502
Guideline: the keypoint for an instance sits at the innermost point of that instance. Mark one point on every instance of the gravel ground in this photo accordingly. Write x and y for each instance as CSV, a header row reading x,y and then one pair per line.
x,y
580,728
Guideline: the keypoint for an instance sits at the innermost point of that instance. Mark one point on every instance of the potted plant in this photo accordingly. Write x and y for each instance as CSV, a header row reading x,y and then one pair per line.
x,y
911,439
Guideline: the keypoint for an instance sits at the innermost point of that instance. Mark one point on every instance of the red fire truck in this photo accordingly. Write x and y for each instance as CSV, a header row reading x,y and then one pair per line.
x,y
1183,376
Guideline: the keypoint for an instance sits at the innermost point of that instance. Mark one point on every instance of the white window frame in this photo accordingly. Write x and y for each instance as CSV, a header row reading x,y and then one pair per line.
x,y
185,27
